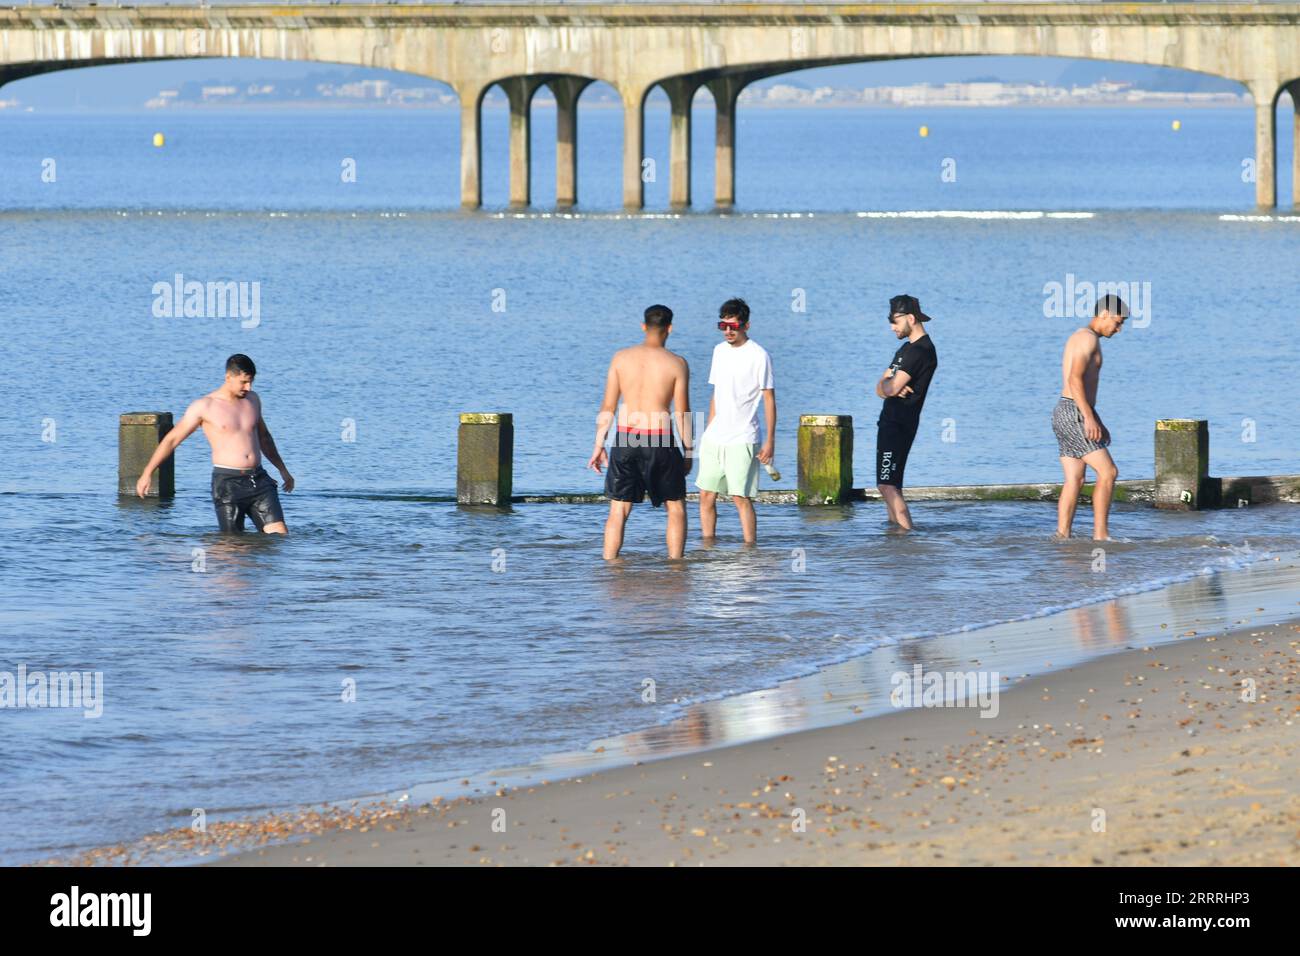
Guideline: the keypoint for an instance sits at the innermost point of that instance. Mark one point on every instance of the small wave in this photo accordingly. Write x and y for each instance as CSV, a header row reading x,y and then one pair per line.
x,y
1258,217
973,214
772,214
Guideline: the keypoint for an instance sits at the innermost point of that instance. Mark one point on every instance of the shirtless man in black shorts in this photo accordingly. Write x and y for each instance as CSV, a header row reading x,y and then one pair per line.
x,y
903,387
645,458
232,422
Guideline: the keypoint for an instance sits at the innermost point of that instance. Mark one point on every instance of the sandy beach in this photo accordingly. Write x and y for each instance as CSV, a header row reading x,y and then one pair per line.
x,y
1147,756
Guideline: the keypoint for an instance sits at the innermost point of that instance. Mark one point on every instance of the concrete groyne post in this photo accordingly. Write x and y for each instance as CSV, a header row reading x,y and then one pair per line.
x,y
485,451
825,459
1183,464
138,436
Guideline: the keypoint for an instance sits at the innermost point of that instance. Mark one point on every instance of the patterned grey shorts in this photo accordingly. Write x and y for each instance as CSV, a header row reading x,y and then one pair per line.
x,y
1067,422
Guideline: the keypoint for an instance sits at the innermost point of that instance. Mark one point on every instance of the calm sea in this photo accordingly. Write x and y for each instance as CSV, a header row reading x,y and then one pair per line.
x,y
383,311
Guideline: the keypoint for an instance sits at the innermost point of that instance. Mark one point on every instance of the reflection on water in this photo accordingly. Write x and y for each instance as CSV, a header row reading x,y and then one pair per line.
x,y
1101,626
842,692
227,567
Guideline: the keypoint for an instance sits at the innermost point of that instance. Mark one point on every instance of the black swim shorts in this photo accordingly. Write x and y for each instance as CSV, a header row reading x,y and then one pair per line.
x,y
893,442
240,492
654,468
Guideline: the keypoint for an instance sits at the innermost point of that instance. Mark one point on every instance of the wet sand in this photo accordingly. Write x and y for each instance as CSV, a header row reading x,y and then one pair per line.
x,y
1147,756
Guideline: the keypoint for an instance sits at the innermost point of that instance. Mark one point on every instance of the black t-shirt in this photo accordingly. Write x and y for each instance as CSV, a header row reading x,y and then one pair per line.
x,y
918,360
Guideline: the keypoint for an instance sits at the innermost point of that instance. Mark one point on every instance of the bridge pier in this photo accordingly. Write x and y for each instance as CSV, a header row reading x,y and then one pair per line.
x,y
681,94
725,90
1294,89
567,90
1265,93
471,145
519,91
633,146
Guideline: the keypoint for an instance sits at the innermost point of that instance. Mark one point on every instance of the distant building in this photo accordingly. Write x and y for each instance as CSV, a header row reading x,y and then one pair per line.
x,y
164,99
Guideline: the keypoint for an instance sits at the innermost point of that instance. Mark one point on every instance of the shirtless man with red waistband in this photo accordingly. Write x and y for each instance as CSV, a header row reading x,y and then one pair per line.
x,y
645,459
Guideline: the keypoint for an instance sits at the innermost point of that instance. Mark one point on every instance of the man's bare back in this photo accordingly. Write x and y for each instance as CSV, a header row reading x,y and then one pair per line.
x,y
648,378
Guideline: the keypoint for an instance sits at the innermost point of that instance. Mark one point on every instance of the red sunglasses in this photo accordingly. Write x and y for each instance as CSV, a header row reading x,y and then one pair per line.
x,y
733,326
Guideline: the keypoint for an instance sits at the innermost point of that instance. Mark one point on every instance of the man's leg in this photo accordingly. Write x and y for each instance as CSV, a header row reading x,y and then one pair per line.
x,y
896,504
266,512
748,520
1073,469
1101,462
893,443
676,533
618,512
229,516
708,513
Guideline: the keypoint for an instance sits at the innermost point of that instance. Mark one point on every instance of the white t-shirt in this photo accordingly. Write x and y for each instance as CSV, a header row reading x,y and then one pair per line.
x,y
739,374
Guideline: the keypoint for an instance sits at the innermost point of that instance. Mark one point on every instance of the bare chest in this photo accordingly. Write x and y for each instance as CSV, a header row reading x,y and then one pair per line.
x,y
226,418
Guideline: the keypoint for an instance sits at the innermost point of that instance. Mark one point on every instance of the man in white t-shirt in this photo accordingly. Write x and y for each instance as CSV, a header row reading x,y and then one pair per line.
x,y
728,452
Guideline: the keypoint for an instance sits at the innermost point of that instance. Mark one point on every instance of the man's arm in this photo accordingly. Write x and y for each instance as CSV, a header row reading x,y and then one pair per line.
x,y
769,416
605,418
272,454
682,410
893,384
1080,351
183,429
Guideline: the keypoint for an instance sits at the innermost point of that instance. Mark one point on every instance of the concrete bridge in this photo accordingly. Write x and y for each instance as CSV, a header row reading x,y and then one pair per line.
x,y
678,47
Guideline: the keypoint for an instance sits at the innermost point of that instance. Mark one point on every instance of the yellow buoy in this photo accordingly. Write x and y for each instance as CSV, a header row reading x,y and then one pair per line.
x,y
925,131
158,139
1178,124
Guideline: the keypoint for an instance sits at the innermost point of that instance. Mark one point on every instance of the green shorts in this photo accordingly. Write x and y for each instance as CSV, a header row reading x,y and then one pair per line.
x,y
728,469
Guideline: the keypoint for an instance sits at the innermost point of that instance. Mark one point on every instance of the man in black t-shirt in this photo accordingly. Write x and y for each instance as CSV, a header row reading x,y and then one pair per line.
x,y
903,387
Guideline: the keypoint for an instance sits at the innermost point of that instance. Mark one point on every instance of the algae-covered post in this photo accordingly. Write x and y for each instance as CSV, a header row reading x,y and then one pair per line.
x,y
485,458
825,459
138,436
1183,464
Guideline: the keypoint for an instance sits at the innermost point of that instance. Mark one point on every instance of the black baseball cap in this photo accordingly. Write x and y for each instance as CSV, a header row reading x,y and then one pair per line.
x,y
907,305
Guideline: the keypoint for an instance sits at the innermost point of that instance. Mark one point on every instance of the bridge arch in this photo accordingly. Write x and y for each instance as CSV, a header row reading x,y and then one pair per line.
x,y
567,89
635,47
726,84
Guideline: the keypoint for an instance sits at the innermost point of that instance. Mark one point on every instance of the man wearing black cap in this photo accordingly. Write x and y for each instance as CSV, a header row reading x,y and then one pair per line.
x,y
903,387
